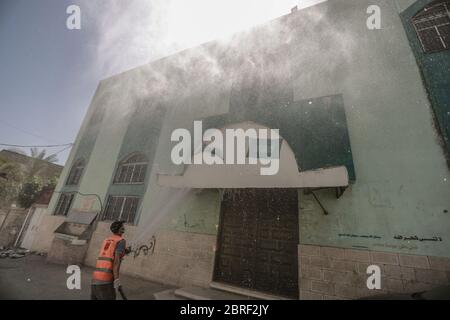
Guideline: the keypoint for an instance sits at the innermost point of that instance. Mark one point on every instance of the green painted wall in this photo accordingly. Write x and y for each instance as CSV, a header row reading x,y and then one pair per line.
x,y
435,69
402,183
106,137
84,143
315,128
199,213
141,137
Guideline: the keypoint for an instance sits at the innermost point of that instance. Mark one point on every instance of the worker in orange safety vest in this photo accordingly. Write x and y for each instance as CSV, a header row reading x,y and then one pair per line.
x,y
105,278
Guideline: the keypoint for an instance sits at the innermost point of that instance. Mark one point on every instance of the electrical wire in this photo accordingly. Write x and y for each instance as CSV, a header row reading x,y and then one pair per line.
x,y
36,146
27,132
54,154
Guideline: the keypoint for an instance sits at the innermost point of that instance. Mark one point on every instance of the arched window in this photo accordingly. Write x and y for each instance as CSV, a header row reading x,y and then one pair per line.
x,y
131,170
432,25
75,173
121,208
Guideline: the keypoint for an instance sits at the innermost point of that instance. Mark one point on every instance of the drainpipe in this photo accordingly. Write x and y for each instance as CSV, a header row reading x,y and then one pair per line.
x,y
23,226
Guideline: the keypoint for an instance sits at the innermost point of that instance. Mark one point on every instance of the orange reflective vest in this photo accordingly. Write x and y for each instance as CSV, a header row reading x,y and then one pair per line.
x,y
104,266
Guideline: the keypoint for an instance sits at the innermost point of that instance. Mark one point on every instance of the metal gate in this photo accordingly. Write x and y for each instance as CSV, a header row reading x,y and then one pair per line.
x,y
257,242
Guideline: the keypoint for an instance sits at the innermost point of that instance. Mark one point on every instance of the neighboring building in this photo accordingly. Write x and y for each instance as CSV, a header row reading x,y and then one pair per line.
x,y
48,170
13,219
363,116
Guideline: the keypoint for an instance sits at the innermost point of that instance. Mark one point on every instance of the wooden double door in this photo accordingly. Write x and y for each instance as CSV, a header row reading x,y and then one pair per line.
x,y
257,241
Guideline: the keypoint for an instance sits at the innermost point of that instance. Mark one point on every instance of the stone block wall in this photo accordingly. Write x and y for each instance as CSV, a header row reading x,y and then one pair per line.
x,y
182,259
336,273
64,252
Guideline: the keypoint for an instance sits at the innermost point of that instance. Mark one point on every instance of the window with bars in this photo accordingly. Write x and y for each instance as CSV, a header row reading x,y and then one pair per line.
x,y
64,202
132,170
75,173
121,208
432,25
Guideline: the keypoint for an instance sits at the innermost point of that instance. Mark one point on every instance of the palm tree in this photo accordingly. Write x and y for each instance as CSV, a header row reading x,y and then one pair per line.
x,y
38,160
35,153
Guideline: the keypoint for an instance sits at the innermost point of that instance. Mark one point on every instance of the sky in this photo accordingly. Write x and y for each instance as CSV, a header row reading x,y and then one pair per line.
x,y
48,73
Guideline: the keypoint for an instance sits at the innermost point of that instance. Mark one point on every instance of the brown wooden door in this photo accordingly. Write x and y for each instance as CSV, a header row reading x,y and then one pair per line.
x,y
258,238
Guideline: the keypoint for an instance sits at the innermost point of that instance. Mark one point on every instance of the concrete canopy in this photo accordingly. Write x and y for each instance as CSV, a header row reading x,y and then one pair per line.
x,y
289,175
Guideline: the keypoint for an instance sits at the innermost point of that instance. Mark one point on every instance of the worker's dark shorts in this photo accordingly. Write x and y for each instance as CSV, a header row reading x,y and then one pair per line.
x,y
103,292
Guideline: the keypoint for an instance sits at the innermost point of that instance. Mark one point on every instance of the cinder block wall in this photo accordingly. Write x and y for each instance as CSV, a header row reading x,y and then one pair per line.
x,y
64,252
337,273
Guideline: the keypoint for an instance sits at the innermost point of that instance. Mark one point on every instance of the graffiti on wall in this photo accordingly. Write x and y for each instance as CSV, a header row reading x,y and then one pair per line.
x,y
146,249
416,238
370,236
399,245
